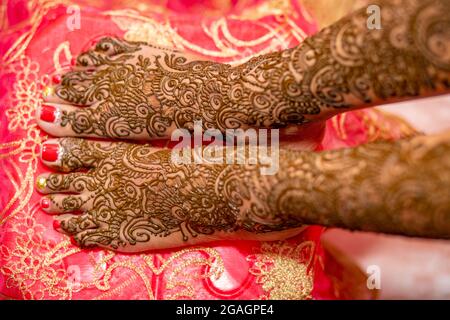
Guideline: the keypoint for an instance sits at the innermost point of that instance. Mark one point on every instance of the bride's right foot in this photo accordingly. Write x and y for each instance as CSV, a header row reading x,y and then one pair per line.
x,y
132,198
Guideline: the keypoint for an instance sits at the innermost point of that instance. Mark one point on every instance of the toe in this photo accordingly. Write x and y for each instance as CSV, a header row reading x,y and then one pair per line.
x,y
73,224
76,87
90,59
60,203
102,53
97,121
62,120
70,154
112,46
65,183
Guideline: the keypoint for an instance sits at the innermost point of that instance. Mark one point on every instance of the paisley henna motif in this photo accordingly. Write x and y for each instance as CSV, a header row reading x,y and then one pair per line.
x,y
135,194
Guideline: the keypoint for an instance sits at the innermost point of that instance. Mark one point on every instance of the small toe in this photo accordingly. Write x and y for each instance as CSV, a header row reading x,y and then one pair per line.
x,y
72,224
60,203
71,154
62,120
89,60
112,46
75,87
65,183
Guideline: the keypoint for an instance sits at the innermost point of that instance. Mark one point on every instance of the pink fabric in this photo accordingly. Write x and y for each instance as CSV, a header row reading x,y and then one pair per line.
x,y
36,262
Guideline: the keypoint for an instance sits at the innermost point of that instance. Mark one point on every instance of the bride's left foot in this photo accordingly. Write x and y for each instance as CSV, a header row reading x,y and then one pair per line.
x,y
133,90
129,90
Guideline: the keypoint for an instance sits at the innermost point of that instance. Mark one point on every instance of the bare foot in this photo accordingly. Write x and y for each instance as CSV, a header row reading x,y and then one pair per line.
x,y
134,90
133,198
118,89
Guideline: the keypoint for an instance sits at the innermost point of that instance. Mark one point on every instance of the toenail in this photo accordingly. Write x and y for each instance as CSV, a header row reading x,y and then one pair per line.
x,y
50,152
56,224
41,182
47,91
73,61
45,203
48,113
56,79
74,242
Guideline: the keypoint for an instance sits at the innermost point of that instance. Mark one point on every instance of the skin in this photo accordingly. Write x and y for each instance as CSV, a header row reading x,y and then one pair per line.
x,y
133,198
134,90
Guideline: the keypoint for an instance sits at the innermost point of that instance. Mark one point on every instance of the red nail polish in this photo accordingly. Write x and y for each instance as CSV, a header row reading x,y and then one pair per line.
x,y
73,61
72,241
56,79
48,113
50,152
56,224
45,203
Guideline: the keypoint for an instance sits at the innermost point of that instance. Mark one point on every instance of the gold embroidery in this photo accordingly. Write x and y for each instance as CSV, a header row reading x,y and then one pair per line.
x,y
382,129
377,124
234,50
284,270
38,10
65,49
24,100
26,268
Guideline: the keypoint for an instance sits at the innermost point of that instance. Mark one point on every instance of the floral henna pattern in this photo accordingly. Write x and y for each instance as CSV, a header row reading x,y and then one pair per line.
x,y
146,91
134,194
